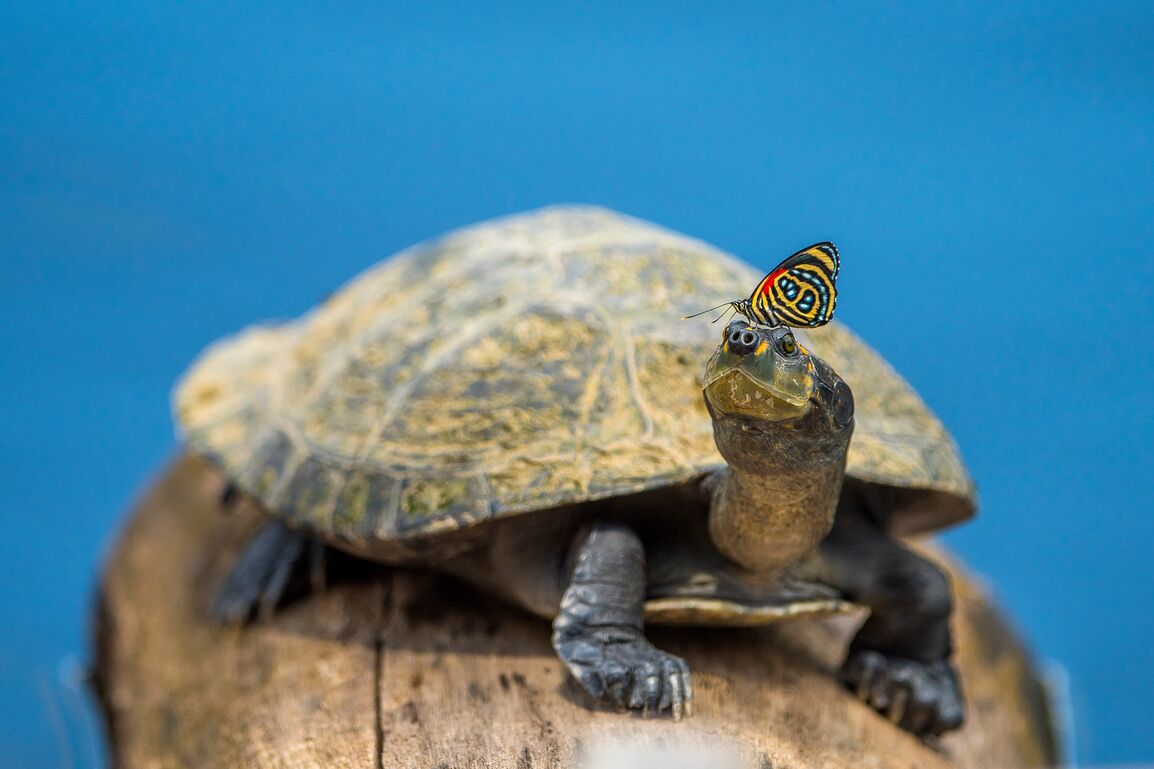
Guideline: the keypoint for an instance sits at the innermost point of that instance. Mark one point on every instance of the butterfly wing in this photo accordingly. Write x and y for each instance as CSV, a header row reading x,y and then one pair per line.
x,y
801,291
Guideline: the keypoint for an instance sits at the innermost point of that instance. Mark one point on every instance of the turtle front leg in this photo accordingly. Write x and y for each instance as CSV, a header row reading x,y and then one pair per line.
x,y
899,662
598,631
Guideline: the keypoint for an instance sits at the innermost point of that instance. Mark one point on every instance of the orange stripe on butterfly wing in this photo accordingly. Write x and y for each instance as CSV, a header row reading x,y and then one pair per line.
x,y
791,311
826,255
821,264
793,315
817,275
767,281
761,299
782,300
762,309
768,300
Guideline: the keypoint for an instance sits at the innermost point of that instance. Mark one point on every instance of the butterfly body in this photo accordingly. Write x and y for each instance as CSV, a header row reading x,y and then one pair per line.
x,y
800,292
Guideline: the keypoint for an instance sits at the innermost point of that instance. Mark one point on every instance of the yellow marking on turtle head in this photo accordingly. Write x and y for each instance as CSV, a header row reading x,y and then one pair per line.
x,y
761,347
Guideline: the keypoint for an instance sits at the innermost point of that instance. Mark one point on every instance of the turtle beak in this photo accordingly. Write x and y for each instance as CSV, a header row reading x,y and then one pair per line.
x,y
748,378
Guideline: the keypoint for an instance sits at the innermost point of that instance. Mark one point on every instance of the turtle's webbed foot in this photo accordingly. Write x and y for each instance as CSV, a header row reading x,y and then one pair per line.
x,y
924,698
629,672
597,632
276,564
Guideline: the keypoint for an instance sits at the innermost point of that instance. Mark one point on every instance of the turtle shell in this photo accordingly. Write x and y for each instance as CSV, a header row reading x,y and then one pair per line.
x,y
518,365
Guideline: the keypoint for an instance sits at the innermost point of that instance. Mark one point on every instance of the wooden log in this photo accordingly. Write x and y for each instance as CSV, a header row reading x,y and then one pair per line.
x,y
407,669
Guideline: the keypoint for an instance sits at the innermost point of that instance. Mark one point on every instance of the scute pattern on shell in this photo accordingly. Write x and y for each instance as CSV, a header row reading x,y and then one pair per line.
x,y
516,365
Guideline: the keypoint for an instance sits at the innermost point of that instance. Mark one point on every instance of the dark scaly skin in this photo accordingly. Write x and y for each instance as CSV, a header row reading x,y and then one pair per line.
x,y
598,630
282,410
782,494
899,662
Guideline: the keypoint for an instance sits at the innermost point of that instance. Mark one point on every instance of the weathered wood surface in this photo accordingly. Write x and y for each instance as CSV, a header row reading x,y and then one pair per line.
x,y
405,669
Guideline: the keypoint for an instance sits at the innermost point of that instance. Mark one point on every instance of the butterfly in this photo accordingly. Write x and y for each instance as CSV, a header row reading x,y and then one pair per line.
x,y
800,291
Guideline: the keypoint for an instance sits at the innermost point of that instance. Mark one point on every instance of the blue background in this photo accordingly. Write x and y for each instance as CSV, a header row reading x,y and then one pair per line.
x,y
170,174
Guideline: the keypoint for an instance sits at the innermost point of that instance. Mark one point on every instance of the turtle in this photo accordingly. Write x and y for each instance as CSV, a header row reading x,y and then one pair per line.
x,y
520,404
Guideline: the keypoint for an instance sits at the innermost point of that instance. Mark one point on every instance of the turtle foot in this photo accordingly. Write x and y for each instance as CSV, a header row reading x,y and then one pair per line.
x,y
923,698
275,566
629,673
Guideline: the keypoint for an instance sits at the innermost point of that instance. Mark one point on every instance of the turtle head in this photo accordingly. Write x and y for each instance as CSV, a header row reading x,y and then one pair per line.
x,y
763,385
782,418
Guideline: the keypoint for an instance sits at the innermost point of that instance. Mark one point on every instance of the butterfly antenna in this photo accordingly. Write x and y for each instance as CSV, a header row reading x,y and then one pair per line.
x,y
711,309
733,307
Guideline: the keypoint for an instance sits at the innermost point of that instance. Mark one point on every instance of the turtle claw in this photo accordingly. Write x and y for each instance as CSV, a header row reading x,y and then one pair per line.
x,y
923,698
630,674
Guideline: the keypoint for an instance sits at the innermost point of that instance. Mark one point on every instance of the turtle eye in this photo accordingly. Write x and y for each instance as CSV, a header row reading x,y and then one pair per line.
x,y
789,345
